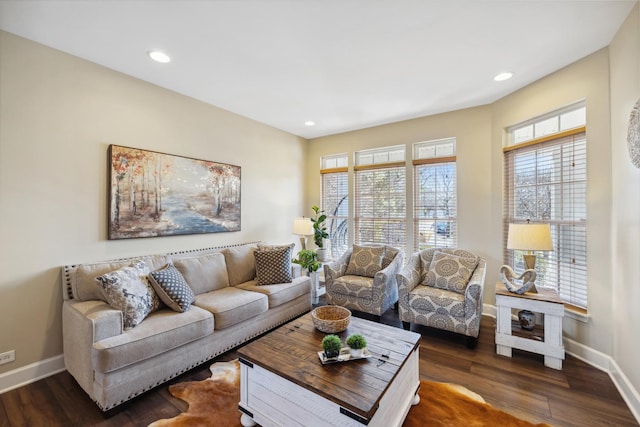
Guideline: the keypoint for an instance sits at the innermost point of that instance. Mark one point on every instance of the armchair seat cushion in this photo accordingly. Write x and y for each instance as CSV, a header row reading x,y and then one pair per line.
x,y
356,286
427,299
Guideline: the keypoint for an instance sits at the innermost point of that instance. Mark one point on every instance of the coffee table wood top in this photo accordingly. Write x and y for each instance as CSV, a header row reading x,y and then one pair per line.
x,y
291,352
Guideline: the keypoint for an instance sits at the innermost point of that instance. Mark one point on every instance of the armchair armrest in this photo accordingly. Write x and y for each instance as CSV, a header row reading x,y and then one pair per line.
x,y
335,269
409,277
387,276
474,293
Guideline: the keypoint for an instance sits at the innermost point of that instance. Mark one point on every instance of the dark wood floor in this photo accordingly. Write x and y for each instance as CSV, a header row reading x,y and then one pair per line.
x,y
579,395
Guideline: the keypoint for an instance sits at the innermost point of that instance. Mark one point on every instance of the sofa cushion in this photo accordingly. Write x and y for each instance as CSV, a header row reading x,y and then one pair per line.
x,y
273,265
280,293
161,331
128,290
356,286
365,260
83,279
204,273
450,272
232,305
241,265
172,288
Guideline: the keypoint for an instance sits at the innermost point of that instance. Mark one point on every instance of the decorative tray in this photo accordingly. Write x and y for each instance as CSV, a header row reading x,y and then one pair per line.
x,y
344,356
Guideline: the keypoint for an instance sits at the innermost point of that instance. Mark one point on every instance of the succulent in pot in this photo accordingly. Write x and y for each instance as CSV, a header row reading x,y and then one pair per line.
x,y
331,344
357,343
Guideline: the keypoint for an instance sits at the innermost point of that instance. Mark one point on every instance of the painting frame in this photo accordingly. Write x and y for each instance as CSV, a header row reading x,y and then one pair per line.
x,y
155,194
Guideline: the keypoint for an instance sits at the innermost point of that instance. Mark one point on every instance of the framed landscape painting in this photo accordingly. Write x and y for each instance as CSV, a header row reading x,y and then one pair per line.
x,y
155,194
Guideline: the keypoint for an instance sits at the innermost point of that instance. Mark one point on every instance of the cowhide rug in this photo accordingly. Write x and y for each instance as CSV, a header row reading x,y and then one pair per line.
x,y
214,402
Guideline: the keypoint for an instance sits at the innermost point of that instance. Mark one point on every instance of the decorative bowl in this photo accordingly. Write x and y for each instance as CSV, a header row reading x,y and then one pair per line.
x,y
331,318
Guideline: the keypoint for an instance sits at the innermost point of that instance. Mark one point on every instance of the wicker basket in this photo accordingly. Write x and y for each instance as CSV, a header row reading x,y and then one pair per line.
x,y
331,318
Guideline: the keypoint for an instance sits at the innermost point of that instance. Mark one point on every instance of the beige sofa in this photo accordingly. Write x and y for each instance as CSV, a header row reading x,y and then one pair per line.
x,y
114,364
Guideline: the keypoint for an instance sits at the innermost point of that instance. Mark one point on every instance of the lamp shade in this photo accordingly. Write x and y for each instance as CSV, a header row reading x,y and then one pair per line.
x,y
302,226
530,237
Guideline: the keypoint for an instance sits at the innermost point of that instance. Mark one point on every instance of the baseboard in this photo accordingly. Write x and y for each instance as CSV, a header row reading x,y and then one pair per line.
x,y
607,364
31,373
599,361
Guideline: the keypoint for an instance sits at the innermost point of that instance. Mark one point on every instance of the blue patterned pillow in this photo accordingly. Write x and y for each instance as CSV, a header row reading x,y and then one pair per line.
x,y
129,291
172,289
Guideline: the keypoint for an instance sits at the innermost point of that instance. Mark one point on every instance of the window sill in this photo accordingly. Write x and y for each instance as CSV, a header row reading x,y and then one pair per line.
x,y
573,314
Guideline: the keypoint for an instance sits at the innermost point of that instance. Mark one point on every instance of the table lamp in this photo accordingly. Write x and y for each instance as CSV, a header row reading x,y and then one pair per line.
x,y
303,227
530,237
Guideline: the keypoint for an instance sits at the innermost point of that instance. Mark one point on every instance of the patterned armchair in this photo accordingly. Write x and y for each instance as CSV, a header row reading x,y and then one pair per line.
x,y
443,288
364,279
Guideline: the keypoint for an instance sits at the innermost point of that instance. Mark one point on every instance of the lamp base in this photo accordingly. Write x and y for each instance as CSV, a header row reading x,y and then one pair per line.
x,y
529,261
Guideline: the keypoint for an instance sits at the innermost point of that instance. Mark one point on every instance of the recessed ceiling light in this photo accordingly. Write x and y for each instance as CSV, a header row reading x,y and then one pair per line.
x,y
309,123
503,76
159,56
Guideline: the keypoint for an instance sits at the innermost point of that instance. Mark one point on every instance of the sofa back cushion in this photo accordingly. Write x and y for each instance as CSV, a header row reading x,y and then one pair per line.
x,y
241,265
204,273
83,279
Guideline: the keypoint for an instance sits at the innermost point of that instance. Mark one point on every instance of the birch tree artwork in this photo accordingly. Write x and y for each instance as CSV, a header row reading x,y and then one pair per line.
x,y
154,194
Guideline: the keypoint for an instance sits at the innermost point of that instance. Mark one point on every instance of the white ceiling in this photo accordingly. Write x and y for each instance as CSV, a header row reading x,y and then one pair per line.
x,y
344,64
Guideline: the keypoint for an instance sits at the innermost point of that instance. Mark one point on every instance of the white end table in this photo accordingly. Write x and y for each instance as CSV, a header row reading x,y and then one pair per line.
x,y
544,339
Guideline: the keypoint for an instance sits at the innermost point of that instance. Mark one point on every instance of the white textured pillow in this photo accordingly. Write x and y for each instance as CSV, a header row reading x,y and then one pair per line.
x,y
129,291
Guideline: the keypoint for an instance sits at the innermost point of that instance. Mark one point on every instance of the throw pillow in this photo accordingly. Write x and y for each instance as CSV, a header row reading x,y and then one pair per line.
x,y
273,266
129,291
172,289
365,260
450,272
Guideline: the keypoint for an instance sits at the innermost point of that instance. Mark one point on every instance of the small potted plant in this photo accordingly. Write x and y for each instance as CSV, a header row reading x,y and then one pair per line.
x,y
319,232
331,344
357,343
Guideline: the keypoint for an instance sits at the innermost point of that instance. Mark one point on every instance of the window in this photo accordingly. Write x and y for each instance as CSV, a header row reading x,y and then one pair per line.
x,y
335,201
546,181
434,176
380,197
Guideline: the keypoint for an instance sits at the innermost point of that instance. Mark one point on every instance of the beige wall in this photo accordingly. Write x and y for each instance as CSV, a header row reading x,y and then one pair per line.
x,y
58,114
472,129
480,133
585,79
625,232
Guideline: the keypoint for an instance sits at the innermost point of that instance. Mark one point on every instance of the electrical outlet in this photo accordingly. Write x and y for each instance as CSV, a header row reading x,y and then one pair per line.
x,y
7,357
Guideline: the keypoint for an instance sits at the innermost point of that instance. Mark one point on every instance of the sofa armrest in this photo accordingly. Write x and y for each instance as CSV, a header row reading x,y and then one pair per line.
x,y
408,278
83,324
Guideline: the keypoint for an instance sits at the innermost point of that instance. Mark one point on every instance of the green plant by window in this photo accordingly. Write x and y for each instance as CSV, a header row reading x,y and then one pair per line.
x,y
319,228
308,260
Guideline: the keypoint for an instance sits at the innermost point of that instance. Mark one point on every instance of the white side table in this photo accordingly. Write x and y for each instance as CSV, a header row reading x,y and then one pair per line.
x,y
544,339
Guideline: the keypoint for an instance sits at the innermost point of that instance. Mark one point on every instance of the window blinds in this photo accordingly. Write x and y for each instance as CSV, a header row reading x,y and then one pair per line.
x,y
546,182
435,206
380,205
335,203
